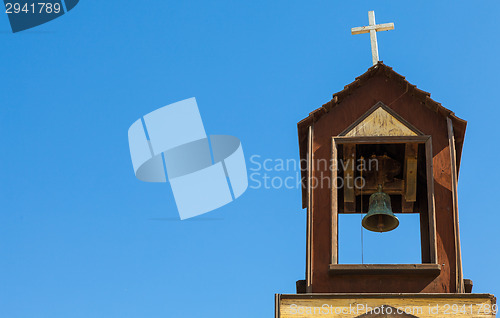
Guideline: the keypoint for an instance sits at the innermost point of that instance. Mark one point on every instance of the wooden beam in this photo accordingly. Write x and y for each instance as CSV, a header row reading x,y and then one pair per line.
x,y
411,157
381,139
309,210
368,28
431,205
349,164
334,236
384,269
277,301
351,296
425,242
454,191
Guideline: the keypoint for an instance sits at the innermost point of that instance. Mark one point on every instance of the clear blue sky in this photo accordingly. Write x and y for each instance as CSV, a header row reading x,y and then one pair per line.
x,y
80,236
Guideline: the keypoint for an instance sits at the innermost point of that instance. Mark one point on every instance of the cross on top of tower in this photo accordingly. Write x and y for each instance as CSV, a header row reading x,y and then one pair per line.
x,y
373,28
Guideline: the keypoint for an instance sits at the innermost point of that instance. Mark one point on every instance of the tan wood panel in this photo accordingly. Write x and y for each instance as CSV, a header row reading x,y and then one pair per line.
x,y
477,305
380,123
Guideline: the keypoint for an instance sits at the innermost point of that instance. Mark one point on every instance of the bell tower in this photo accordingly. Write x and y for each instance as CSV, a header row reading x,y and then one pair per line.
x,y
390,150
384,161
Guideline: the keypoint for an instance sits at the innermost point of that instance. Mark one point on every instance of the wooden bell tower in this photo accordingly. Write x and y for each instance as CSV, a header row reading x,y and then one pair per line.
x,y
383,120
415,143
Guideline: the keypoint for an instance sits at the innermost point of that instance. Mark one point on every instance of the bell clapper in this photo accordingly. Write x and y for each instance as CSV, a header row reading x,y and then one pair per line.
x,y
380,225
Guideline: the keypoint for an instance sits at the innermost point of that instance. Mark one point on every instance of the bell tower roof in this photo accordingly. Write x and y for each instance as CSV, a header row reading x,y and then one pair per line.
x,y
379,83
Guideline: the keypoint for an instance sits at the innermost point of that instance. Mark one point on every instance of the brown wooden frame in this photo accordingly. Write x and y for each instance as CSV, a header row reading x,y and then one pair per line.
x,y
425,139
454,190
310,166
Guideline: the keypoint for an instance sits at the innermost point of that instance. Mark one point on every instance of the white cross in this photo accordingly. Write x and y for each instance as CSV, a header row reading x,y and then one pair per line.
x,y
373,29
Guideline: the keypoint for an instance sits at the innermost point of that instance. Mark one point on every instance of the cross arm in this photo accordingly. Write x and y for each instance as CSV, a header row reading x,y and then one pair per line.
x,y
378,27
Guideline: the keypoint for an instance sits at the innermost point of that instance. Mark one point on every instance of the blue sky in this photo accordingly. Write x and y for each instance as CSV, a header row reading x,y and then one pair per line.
x,y
80,236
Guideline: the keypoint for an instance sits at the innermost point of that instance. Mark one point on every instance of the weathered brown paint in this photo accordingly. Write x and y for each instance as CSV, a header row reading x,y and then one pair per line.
x,y
416,108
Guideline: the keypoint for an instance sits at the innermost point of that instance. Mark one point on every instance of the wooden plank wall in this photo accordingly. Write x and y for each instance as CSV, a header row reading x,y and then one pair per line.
x,y
394,95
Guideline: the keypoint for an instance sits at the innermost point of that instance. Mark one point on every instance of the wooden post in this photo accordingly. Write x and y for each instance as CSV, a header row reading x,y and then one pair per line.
x,y
454,191
431,205
334,237
373,37
277,300
349,164
410,177
309,211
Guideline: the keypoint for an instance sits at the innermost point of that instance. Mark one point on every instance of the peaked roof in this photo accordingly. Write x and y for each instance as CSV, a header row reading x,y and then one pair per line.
x,y
380,68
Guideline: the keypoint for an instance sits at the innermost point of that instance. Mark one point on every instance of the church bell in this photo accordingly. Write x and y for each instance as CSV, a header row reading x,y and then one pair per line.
x,y
380,217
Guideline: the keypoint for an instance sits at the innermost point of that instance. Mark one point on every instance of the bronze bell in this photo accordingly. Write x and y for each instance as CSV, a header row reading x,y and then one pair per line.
x,y
380,217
